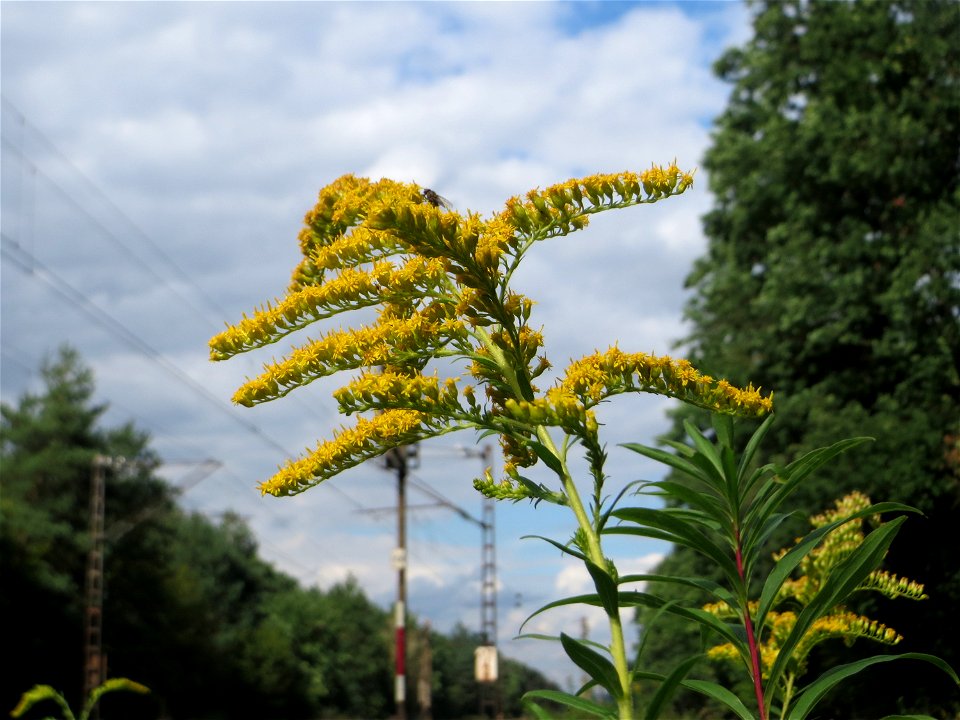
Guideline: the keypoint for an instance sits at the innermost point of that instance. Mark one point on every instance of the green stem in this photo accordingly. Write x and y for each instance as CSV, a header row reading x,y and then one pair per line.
x,y
618,649
787,694
752,641
594,551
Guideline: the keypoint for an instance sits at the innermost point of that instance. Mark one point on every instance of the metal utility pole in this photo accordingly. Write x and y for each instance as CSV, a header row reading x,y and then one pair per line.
x,y
94,666
486,670
398,459
95,662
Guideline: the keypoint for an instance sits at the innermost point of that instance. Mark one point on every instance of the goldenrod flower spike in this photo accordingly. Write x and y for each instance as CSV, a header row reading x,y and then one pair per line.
x,y
350,447
814,570
440,280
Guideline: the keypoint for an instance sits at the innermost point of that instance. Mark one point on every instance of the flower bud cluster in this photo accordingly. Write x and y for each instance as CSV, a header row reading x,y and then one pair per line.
x,y
350,447
564,207
598,376
390,340
502,489
841,624
390,389
352,289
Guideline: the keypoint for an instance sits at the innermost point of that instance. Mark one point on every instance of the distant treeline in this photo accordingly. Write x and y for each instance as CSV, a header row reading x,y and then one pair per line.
x,y
189,608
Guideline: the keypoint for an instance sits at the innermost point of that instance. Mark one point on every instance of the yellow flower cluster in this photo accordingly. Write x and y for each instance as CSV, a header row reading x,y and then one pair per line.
x,y
815,569
601,375
564,207
816,566
352,289
377,391
391,340
350,447
843,624
440,282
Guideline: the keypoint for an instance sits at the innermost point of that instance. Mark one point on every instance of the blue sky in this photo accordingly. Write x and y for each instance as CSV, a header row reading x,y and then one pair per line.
x,y
158,159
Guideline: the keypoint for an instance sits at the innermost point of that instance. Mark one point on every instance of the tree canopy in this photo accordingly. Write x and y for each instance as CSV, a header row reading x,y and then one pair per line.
x,y
832,277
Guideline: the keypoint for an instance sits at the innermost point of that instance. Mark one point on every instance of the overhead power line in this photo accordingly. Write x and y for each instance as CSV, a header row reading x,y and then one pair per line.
x,y
31,266
171,264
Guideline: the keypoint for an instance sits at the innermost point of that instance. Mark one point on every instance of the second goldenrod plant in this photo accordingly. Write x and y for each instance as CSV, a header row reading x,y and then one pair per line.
x,y
440,282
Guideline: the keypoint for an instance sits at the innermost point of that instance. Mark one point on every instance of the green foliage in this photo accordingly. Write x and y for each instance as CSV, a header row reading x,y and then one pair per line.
x,y
831,276
730,507
39,693
190,609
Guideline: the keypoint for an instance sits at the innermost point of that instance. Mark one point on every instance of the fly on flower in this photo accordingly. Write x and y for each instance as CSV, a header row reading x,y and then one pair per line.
x,y
438,201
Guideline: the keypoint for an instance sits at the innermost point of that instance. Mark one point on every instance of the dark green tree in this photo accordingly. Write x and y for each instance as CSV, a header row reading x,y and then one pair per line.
x,y
190,610
832,276
47,445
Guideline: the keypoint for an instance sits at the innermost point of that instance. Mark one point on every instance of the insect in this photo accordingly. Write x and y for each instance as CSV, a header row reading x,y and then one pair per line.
x,y
438,201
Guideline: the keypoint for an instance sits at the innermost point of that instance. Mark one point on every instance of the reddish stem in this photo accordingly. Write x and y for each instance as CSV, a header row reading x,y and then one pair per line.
x,y
751,640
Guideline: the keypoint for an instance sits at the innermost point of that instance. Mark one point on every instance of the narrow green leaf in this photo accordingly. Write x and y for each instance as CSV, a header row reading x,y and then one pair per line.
x,y
716,590
674,461
593,664
645,634
549,459
571,701
537,636
701,617
683,533
723,426
606,588
800,469
541,492
681,447
706,449
786,565
720,694
669,686
752,541
706,500
808,698
753,445
589,599
617,499
566,549
538,712
843,580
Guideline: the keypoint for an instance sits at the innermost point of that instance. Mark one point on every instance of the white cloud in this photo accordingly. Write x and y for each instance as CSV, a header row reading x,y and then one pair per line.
x,y
212,127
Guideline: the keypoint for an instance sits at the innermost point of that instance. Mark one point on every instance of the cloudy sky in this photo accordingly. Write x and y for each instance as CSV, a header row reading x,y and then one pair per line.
x,y
158,159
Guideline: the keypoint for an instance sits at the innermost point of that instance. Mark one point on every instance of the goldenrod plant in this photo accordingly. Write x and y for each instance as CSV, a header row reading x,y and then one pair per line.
x,y
730,508
440,282
39,693
796,594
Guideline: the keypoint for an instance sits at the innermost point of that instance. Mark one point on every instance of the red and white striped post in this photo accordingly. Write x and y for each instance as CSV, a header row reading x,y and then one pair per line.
x,y
397,460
